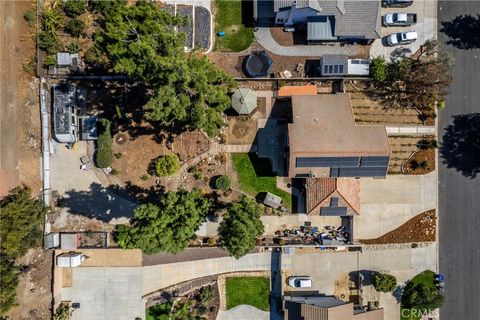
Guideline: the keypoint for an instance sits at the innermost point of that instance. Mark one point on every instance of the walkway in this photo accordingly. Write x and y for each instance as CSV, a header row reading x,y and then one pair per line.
x,y
410,130
264,37
243,312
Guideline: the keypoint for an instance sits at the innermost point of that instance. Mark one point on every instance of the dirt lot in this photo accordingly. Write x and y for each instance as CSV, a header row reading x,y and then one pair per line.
x,y
132,164
20,121
405,148
418,229
34,291
416,163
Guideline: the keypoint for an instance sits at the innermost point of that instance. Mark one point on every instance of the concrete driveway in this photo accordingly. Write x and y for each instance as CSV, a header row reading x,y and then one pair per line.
x,y
387,204
82,191
426,27
243,312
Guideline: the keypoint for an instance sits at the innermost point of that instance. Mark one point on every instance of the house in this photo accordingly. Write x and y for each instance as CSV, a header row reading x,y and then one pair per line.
x,y
340,65
329,20
65,118
326,308
324,140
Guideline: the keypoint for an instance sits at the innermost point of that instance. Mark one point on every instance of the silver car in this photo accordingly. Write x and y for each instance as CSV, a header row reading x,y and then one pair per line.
x,y
300,281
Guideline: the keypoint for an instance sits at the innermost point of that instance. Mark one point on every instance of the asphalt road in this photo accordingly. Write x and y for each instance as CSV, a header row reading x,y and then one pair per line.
x,y
458,194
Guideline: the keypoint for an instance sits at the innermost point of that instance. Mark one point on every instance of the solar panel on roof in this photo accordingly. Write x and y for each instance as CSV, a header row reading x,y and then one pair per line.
x,y
334,202
333,211
374,161
362,172
302,162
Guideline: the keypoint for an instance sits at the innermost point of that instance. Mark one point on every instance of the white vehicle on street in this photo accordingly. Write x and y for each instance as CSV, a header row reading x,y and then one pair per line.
x,y
300,282
399,38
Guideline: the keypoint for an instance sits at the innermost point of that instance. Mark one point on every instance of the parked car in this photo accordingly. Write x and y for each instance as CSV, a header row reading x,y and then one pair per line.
x,y
399,19
399,38
397,3
300,282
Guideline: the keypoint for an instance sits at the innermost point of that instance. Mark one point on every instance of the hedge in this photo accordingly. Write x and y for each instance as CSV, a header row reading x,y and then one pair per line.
x,y
104,144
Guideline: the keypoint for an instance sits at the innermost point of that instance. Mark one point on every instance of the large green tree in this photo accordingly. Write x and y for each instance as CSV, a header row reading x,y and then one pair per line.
x,y
241,226
422,297
141,41
21,219
168,225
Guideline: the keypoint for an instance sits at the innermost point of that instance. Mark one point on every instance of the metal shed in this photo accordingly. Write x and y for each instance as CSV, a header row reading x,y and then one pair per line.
x,y
51,240
272,200
70,260
69,241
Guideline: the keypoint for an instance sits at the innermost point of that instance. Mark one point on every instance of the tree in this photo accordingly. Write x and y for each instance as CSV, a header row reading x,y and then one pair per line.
x,y
422,297
50,60
241,226
384,282
167,165
138,40
74,8
21,218
49,42
378,69
104,144
168,225
222,183
75,27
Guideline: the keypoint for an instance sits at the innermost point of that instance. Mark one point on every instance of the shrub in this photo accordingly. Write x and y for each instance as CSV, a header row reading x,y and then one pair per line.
x,y
75,27
421,296
145,177
222,183
207,294
118,155
114,172
29,16
197,174
167,165
441,105
50,60
423,164
49,42
378,69
104,143
384,282
74,8
212,242
62,312
72,47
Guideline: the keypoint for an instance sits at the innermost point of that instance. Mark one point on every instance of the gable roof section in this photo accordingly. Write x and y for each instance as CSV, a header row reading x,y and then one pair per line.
x,y
320,192
353,17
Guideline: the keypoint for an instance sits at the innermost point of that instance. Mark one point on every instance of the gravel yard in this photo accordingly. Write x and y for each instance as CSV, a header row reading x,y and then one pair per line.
x,y
202,28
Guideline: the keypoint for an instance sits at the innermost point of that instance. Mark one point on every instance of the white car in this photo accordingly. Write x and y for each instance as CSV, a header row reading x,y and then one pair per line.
x,y
399,19
300,282
399,38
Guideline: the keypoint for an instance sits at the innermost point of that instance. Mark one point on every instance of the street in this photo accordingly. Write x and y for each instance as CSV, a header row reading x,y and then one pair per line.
x,y
458,191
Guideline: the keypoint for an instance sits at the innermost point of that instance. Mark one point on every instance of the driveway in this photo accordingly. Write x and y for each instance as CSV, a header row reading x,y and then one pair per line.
x,y
82,192
243,312
426,27
458,194
386,204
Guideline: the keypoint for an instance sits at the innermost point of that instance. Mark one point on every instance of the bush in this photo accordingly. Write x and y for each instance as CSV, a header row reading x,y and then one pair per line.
x,y
207,294
104,144
384,282
49,42
29,16
167,165
50,60
62,312
222,183
378,69
74,8
212,242
72,47
197,174
421,296
145,177
75,27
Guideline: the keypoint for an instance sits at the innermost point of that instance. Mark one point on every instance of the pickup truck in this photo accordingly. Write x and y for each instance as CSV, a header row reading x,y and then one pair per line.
x,y
399,38
399,19
397,3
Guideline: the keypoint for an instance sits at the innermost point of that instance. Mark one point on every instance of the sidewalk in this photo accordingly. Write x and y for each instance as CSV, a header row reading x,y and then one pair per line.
x,y
410,130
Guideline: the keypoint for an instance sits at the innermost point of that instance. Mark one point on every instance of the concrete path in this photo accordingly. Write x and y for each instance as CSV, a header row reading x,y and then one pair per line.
x,y
243,312
410,130
388,203
264,37
161,276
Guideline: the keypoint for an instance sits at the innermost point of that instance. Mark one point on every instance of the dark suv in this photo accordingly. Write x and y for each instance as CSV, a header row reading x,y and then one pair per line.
x,y
397,3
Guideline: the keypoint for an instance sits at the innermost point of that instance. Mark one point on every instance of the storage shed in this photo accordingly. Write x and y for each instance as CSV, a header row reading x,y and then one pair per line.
x,y
70,260
51,240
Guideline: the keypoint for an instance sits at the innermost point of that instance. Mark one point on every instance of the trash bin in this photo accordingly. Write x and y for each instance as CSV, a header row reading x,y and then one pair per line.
x,y
220,33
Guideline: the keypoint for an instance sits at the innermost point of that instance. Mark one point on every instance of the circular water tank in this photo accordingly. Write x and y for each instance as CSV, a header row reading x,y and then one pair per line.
x,y
257,65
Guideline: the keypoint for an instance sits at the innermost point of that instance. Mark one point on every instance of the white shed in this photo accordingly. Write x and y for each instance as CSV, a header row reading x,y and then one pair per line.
x,y
51,240
70,260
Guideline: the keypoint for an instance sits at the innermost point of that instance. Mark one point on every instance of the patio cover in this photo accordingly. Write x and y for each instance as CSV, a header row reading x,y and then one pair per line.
x,y
244,101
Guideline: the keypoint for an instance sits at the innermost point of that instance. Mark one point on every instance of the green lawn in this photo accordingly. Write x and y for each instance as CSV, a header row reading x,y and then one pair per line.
x,y
254,291
426,277
255,175
229,20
